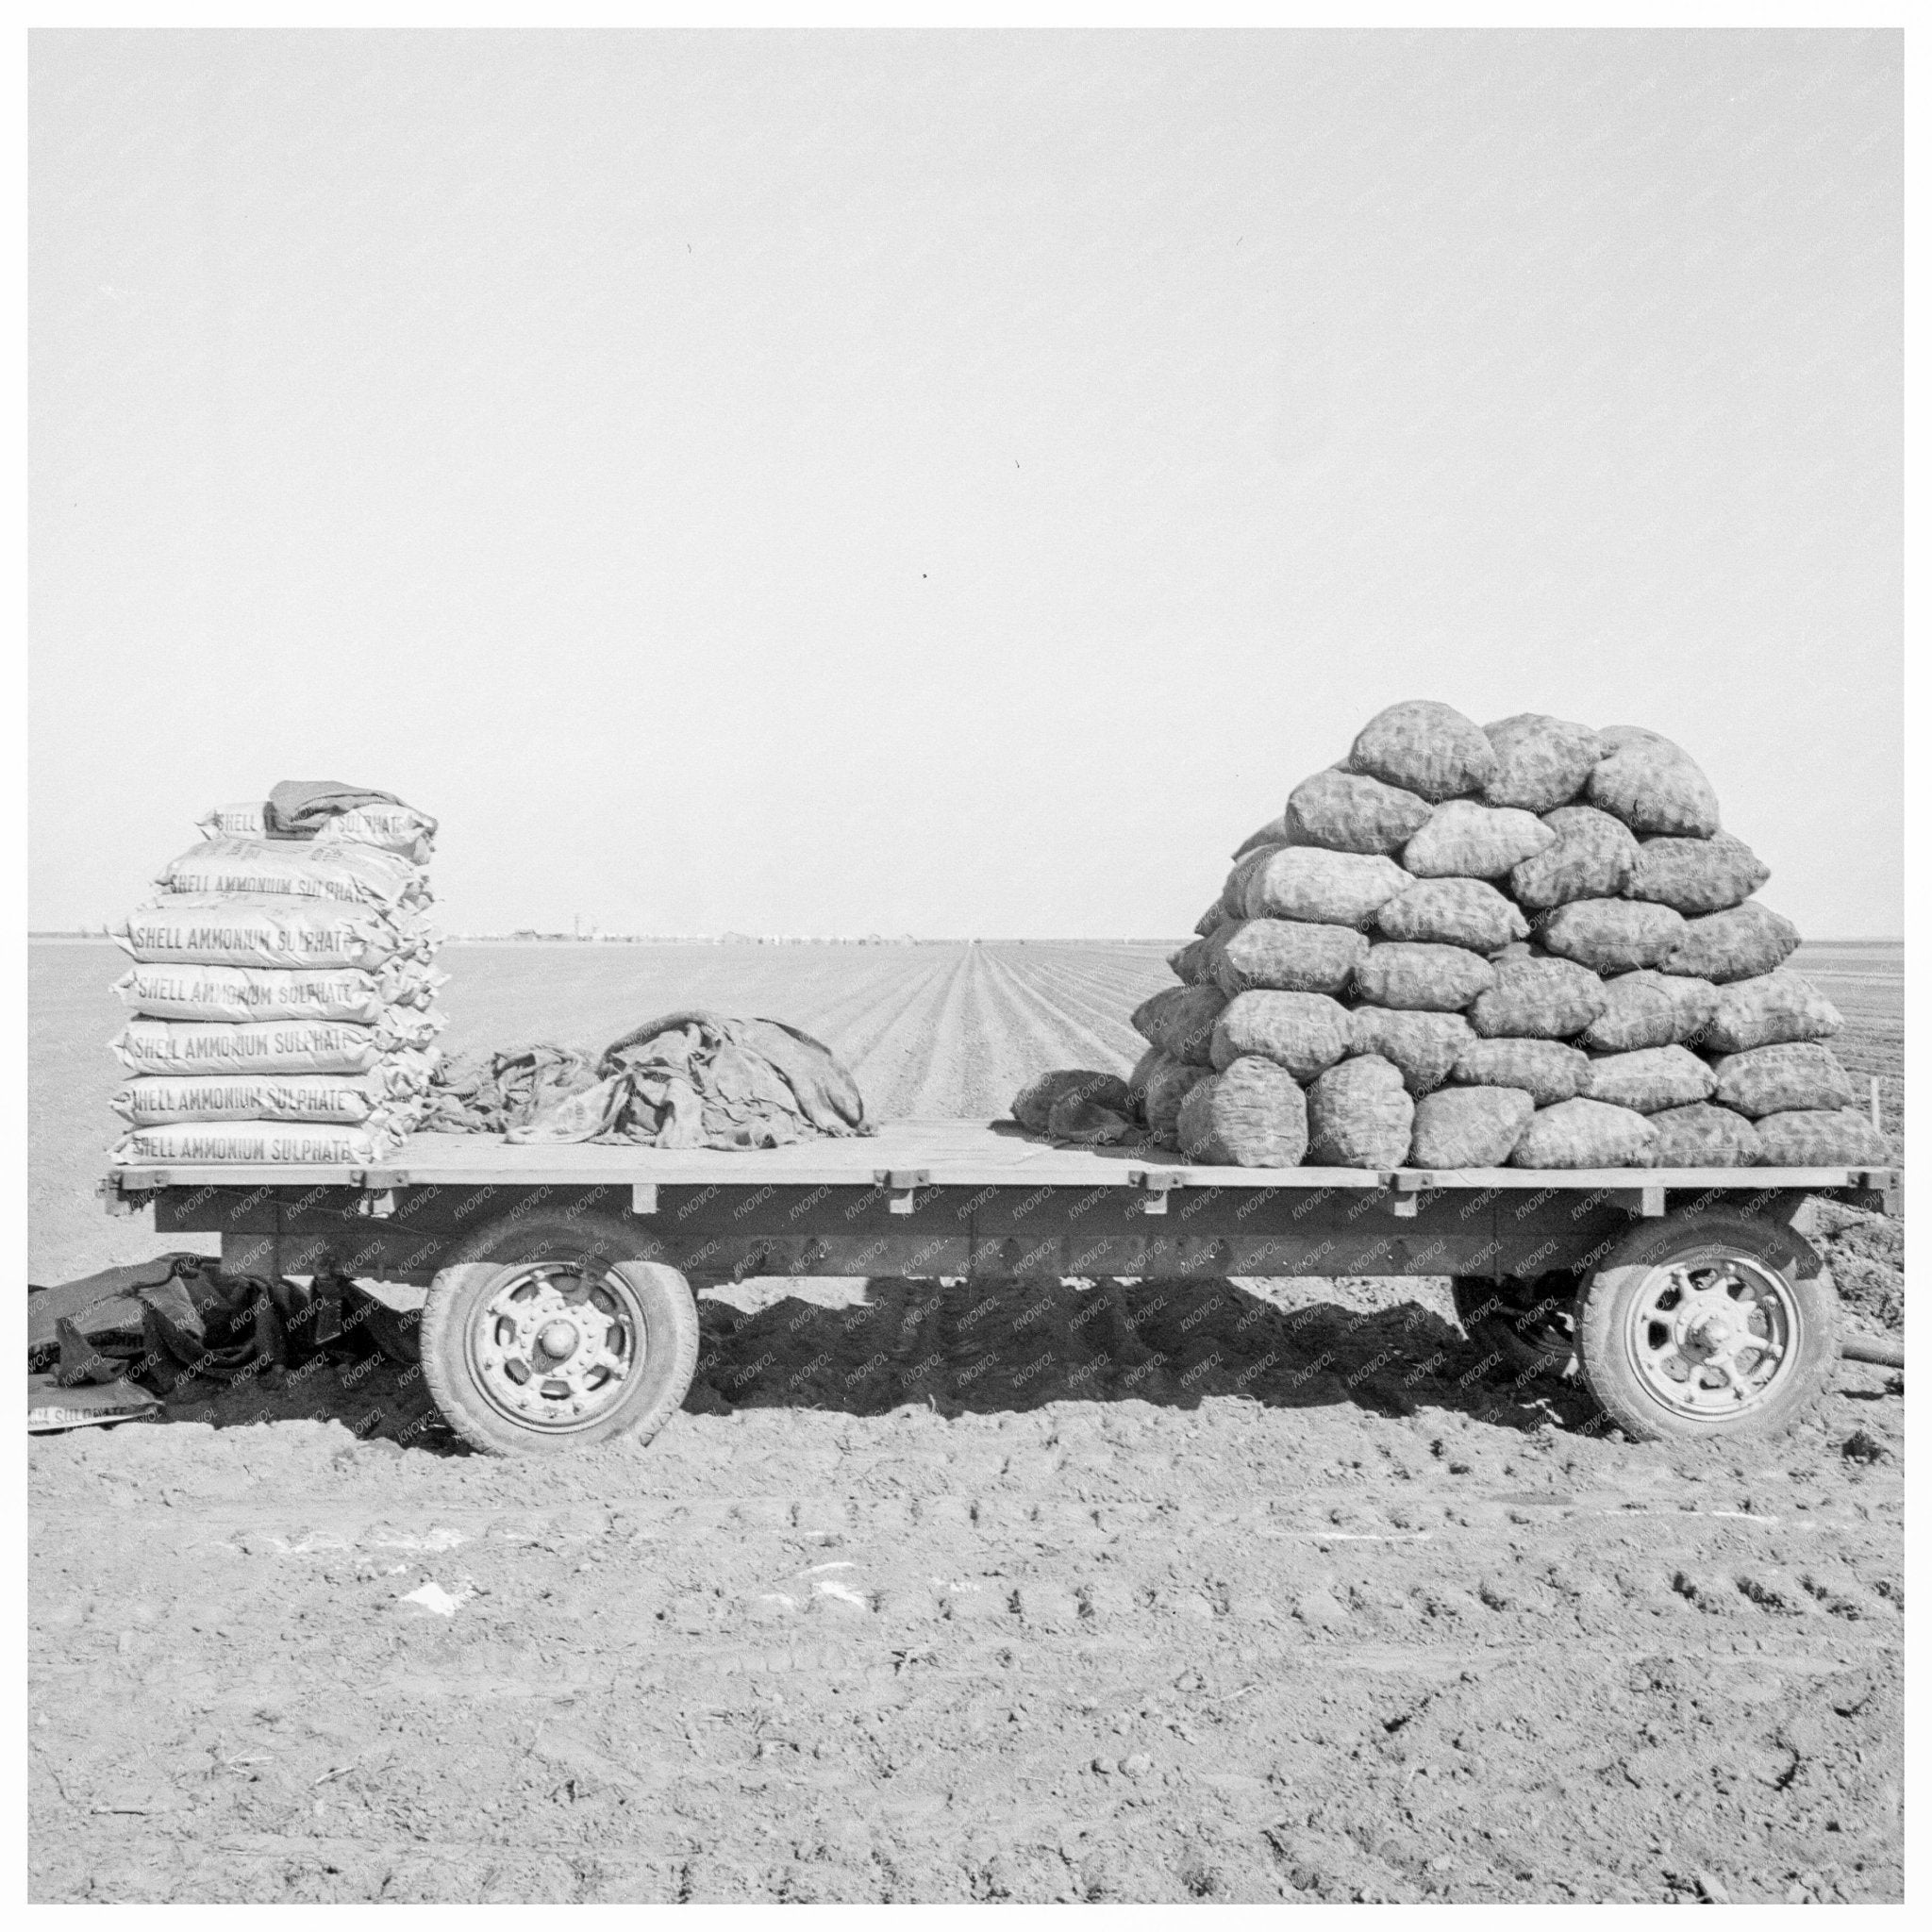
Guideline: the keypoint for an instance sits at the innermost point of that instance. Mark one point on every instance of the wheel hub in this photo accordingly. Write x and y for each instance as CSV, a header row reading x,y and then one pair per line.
x,y
1712,1334
555,1347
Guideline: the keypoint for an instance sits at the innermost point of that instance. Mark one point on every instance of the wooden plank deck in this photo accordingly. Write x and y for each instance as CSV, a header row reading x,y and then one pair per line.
x,y
944,1153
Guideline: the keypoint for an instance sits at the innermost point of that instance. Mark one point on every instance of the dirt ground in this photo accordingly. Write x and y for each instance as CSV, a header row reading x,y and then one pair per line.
x,y
1137,1592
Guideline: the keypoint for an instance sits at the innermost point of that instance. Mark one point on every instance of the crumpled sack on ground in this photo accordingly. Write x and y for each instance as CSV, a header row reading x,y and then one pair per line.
x,y
179,1314
705,1079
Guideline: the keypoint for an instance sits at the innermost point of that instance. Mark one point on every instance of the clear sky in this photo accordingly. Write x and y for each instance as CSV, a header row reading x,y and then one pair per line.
x,y
949,484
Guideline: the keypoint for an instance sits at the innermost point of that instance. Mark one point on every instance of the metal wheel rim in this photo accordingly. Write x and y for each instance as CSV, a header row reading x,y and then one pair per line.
x,y
531,1370
1712,1334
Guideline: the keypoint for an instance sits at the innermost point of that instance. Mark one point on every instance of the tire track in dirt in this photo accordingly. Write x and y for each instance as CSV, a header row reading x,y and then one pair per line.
x,y
1138,1646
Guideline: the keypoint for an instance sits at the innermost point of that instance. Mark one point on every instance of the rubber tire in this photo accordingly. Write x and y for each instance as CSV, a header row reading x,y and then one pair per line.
x,y
1492,1327
1606,1300
671,1333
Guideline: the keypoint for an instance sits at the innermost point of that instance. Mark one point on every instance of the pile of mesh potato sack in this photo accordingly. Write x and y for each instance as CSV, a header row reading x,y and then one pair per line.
x,y
1530,942
282,994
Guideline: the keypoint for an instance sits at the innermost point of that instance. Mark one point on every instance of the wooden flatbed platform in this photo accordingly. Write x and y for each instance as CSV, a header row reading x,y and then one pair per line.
x,y
944,1152
521,1352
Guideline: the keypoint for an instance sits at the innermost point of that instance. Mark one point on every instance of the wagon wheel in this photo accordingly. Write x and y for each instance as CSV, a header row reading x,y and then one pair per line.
x,y
1530,1322
1711,1324
541,1338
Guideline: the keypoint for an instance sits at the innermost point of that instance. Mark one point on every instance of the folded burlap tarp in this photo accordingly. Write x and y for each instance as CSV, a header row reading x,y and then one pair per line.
x,y
705,1080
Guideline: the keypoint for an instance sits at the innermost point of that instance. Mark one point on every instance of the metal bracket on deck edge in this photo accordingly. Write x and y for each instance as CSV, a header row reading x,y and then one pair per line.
x,y
1406,1185
1158,1183
1645,1203
378,1199
901,1182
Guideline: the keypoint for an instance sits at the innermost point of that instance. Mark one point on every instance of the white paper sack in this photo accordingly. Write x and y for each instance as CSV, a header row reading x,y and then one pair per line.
x,y
209,929
348,1099
268,1046
397,828
242,1144
400,990
357,875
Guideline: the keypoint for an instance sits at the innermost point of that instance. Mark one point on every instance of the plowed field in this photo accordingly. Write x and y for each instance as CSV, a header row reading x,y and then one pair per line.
x,y
1110,1590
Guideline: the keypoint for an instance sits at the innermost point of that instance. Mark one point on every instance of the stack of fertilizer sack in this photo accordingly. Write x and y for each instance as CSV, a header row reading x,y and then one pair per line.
x,y
283,986
1527,942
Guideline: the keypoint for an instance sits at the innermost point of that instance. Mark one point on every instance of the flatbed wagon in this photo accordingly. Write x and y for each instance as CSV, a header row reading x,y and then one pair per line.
x,y
562,1278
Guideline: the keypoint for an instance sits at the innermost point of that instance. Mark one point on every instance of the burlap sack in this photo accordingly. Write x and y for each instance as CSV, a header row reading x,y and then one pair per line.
x,y
1211,920
1287,955
1739,944
1646,1009
1586,1133
1650,1079
1083,1123
1538,999
1821,1138
259,1144
1783,1079
1323,887
1234,890
1359,1115
1696,876
1547,1070
1424,747
1250,1115
1034,1103
1611,935
1592,859
1304,1032
1469,1127
1541,762
1273,833
396,828
1350,811
1704,1136
1180,1020
1463,840
1453,913
1166,1090
1425,979
273,1046
244,994
341,1099
1191,964
1654,787
1771,1009
1150,1063
1424,1047
341,871
207,929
